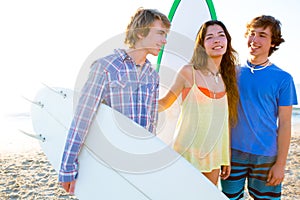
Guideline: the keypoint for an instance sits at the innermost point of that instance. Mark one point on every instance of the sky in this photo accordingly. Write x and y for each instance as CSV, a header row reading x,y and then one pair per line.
x,y
47,42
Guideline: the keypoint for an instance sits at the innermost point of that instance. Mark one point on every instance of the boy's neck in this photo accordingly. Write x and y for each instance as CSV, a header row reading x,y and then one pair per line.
x,y
137,55
258,60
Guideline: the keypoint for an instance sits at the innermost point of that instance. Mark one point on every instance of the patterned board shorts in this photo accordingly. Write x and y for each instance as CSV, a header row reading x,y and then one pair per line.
x,y
255,169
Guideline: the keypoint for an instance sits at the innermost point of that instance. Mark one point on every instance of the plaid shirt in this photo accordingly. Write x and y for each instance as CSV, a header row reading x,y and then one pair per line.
x,y
116,81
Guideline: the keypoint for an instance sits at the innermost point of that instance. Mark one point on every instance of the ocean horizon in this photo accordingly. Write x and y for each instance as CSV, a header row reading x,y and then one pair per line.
x,y
21,119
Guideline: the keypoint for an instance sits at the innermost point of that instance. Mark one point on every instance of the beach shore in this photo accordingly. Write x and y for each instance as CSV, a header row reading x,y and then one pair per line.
x,y
25,172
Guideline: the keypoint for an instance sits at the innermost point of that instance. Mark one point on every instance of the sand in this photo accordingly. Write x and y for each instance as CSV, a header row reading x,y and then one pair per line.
x,y
25,172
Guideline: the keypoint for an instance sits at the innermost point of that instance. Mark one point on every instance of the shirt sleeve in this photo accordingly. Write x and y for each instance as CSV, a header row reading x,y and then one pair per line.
x,y
154,112
287,93
90,98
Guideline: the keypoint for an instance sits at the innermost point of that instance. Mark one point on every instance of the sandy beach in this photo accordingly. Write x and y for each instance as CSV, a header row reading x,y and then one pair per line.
x,y
25,172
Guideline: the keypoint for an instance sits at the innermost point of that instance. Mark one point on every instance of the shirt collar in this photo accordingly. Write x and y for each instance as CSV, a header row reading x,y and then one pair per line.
x,y
124,56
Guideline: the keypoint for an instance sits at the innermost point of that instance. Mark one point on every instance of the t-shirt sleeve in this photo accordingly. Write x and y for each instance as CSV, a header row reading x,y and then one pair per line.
x,y
287,94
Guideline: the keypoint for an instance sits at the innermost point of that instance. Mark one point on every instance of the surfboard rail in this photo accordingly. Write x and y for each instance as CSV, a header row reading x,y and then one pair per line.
x,y
175,5
119,157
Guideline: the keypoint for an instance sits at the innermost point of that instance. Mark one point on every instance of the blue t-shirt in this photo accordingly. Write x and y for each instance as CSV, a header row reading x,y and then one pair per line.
x,y
261,94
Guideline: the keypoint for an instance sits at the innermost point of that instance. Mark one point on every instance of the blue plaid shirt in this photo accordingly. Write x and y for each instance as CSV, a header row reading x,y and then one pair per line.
x,y
116,81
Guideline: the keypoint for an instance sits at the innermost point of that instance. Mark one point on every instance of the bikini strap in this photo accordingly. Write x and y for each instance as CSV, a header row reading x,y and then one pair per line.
x,y
193,71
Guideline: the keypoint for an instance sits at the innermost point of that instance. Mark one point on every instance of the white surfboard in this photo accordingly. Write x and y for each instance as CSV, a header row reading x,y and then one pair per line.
x,y
186,18
120,159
